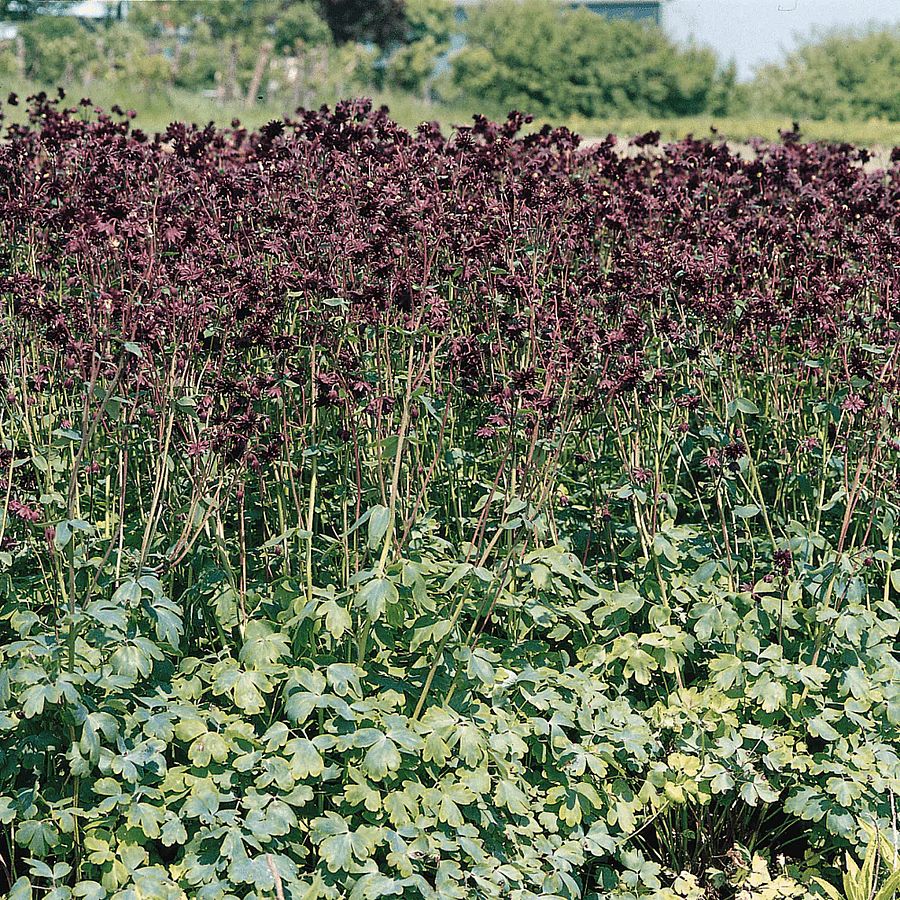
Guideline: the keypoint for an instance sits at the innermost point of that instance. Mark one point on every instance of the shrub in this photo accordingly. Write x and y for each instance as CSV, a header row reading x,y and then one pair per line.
x,y
840,76
514,53
56,48
429,18
412,66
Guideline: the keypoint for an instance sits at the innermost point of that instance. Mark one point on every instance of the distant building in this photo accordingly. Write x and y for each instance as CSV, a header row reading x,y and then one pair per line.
x,y
636,10
639,10
97,9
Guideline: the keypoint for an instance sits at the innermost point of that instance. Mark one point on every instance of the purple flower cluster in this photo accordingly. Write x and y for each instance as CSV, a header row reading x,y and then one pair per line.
x,y
509,248
292,273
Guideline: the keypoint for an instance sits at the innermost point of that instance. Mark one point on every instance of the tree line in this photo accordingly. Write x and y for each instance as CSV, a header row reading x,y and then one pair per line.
x,y
530,54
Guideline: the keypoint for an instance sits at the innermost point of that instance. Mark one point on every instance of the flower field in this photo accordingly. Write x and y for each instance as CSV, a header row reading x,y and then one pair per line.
x,y
390,514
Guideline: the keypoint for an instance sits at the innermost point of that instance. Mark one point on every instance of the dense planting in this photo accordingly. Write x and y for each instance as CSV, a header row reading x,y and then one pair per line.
x,y
410,515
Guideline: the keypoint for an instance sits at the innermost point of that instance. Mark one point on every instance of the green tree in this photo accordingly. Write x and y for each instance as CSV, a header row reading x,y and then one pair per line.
x,y
127,54
838,76
297,23
429,26
367,21
429,18
57,49
541,58
725,95
230,43
412,66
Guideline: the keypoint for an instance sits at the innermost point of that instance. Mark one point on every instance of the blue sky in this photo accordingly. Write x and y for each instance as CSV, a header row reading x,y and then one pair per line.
x,y
753,32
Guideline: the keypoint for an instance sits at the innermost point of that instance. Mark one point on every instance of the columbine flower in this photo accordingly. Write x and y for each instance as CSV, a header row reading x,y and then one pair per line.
x,y
21,511
712,460
784,559
853,404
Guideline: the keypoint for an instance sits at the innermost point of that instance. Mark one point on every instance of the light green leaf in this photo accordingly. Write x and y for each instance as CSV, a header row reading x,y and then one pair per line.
x,y
306,760
146,817
39,837
376,595
480,666
128,593
379,519
381,758
63,534
21,890
248,689
89,890
337,619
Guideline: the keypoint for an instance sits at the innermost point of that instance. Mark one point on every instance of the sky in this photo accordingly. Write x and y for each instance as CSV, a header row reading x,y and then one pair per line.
x,y
754,32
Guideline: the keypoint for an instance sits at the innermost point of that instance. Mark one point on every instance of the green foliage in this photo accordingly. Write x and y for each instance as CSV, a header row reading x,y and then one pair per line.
x,y
585,659
429,26
378,21
298,24
759,884
576,732
382,684
57,47
878,878
840,76
126,53
751,881
208,43
429,18
514,52
412,66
